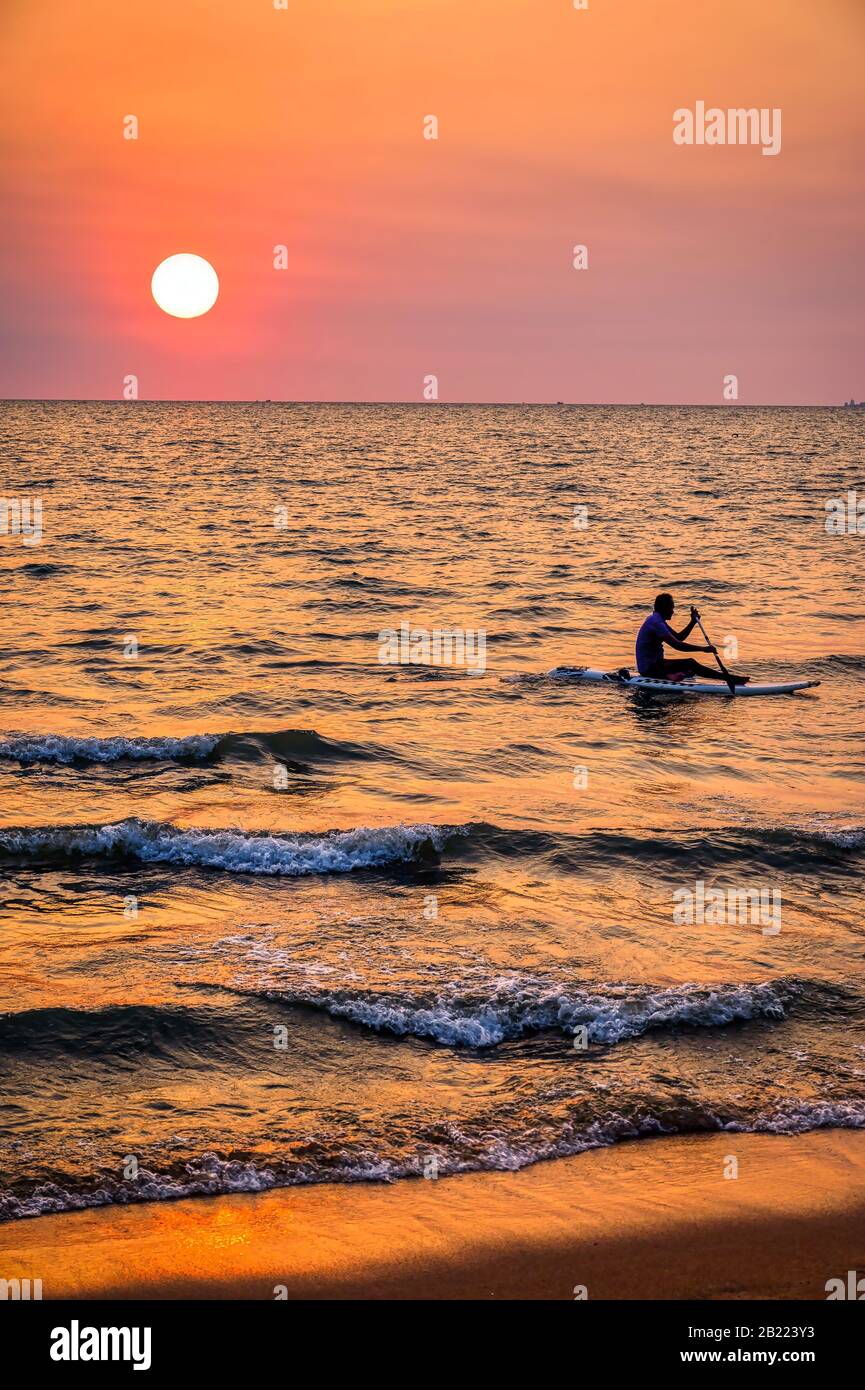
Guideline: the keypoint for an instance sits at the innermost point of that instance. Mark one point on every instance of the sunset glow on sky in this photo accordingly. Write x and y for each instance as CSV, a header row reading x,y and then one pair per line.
x,y
303,128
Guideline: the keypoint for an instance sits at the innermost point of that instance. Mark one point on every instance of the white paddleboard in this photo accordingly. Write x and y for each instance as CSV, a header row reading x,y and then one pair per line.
x,y
686,687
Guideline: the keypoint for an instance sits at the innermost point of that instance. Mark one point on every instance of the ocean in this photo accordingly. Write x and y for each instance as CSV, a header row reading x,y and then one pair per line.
x,y
309,868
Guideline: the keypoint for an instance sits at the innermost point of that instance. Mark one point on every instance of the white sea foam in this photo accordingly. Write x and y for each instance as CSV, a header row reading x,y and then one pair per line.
x,y
518,1005
236,851
58,748
846,836
800,1116
211,1175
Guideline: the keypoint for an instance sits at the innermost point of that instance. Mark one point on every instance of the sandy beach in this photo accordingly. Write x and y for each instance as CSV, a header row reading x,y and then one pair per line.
x,y
656,1219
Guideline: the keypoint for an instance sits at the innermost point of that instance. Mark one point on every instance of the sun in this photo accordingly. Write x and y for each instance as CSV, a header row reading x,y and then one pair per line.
x,y
185,286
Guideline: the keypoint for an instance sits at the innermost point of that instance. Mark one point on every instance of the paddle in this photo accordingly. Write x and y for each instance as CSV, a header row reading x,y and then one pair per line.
x,y
724,672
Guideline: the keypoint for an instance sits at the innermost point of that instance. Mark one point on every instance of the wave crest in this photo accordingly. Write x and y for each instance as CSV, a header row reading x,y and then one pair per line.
x,y
516,1006
288,745
211,1174
235,851
28,749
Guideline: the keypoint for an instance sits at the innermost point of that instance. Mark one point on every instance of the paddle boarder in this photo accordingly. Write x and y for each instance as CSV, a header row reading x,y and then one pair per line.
x,y
656,631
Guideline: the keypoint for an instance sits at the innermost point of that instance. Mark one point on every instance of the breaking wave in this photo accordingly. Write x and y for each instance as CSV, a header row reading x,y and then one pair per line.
x,y
28,749
516,1006
234,851
286,744
211,1174
504,1008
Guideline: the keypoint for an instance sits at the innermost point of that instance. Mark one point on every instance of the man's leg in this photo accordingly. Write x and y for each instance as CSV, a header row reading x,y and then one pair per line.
x,y
687,665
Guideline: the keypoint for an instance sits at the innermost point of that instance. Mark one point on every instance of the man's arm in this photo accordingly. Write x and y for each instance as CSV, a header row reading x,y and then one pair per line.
x,y
688,646
686,632
677,639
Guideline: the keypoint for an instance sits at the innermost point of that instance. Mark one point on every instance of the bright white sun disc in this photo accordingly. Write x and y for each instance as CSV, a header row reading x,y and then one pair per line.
x,y
185,286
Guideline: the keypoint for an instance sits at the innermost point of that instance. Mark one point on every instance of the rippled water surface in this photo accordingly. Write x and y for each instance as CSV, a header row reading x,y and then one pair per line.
x,y
273,911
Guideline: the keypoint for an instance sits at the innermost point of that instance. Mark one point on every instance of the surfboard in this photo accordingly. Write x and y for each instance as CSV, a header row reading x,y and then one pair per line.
x,y
686,687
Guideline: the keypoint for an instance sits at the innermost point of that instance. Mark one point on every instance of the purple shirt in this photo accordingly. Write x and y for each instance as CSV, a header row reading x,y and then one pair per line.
x,y
650,642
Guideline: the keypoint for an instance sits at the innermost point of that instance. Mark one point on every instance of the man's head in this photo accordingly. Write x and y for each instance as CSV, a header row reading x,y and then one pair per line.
x,y
664,605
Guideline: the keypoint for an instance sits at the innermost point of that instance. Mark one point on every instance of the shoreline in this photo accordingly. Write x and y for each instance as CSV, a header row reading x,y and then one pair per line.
x,y
652,1218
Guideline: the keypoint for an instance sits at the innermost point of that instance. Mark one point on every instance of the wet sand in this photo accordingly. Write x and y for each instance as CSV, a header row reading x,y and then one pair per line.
x,y
654,1219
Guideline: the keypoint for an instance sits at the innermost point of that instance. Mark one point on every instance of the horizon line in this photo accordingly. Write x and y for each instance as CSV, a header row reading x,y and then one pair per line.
x,y
292,400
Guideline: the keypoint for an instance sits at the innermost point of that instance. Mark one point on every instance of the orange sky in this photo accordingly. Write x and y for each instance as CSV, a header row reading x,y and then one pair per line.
x,y
407,257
